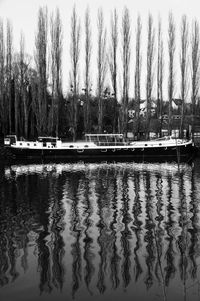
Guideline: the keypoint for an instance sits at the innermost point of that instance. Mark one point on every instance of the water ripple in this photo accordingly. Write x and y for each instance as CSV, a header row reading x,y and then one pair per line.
x,y
84,230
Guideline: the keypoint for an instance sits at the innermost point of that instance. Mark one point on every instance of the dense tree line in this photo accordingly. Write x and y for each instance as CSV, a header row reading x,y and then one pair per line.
x,y
31,95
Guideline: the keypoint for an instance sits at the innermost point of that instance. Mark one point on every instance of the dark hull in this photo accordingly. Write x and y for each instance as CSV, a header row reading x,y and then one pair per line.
x,y
153,154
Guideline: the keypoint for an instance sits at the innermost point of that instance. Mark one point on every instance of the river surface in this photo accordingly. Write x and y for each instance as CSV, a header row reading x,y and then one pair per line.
x,y
120,231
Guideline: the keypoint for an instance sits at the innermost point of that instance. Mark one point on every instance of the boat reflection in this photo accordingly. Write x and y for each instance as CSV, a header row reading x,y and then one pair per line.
x,y
93,229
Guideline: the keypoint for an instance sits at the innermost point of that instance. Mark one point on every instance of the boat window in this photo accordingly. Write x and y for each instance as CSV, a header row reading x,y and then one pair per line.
x,y
71,146
145,144
28,144
20,143
105,139
47,139
34,144
160,143
86,146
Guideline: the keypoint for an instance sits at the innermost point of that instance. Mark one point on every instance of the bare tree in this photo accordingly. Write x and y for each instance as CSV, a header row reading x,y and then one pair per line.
x,y
88,51
171,80
9,58
184,68
160,71
56,71
75,54
195,74
126,36
113,63
21,63
19,90
138,66
16,96
33,99
41,67
3,109
101,65
24,81
150,71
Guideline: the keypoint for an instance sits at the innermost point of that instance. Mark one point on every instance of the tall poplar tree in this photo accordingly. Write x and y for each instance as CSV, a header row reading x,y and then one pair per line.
x,y
195,68
101,66
75,55
113,63
171,79
9,60
160,73
150,71
41,111
126,52
138,66
3,111
184,68
56,70
87,75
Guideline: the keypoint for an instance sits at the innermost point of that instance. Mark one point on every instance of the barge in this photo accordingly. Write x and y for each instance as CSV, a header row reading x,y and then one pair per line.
x,y
99,147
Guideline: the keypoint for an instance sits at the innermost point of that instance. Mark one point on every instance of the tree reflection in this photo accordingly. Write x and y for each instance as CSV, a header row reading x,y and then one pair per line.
x,y
149,236
170,239
126,234
88,241
106,227
115,258
26,204
137,211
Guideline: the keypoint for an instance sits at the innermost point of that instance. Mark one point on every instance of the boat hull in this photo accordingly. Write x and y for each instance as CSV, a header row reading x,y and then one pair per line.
x,y
155,154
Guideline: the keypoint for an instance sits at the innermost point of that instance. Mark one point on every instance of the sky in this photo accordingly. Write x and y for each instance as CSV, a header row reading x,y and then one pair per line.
x,y
23,16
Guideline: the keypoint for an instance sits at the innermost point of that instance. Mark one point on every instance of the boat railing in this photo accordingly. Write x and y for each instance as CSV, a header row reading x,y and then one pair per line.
x,y
164,138
107,143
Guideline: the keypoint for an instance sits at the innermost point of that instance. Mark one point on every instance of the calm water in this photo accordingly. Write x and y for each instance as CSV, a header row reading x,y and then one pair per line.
x,y
100,232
